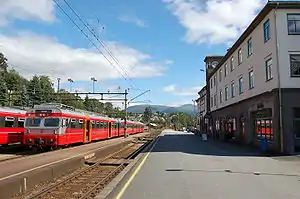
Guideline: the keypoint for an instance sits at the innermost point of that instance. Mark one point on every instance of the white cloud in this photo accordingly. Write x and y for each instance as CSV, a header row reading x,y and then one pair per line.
x,y
133,19
26,10
36,54
182,91
214,21
169,62
170,88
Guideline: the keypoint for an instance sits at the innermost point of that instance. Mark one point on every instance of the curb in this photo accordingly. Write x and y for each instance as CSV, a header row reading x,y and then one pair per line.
x,y
113,188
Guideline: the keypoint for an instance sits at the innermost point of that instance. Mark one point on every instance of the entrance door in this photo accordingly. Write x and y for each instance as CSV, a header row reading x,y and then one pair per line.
x,y
109,129
88,131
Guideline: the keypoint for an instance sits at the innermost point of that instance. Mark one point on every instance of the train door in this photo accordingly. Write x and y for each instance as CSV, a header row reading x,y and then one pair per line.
x,y
88,130
109,129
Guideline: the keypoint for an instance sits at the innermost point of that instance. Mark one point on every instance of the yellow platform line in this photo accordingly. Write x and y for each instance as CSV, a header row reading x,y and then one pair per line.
x,y
120,194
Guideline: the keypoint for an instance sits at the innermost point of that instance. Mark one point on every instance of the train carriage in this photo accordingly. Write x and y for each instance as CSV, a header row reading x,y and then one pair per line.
x,y
54,125
11,125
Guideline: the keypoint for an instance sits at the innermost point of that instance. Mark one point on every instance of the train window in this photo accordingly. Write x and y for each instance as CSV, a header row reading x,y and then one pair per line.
x,y
80,124
9,122
51,122
98,125
73,123
33,122
93,124
21,122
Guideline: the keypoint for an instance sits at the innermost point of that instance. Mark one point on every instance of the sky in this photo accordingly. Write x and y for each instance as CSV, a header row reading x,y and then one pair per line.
x,y
156,45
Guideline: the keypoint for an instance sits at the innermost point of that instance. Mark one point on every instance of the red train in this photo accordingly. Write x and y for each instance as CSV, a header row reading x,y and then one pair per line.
x,y
11,125
54,125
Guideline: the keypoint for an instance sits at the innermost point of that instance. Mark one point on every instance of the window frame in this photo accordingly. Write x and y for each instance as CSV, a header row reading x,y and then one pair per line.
x,y
226,93
251,77
232,90
221,96
249,52
220,75
240,56
241,86
287,19
232,63
266,68
225,70
296,76
269,30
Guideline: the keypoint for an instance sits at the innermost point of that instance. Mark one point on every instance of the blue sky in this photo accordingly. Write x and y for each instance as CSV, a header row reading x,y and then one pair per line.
x,y
156,44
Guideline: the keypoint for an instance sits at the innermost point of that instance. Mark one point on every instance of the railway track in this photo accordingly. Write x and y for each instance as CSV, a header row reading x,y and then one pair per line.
x,y
88,182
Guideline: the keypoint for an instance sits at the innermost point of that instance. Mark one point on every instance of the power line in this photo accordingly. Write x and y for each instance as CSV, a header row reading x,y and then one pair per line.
x,y
93,43
91,30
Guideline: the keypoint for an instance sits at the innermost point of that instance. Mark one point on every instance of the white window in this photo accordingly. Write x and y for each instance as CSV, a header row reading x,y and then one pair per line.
x,y
221,96
295,65
240,56
241,87
232,90
293,24
226,93
251,79
269,69
225,70
220,75
215,100
249,44
215,77
267,34
232,63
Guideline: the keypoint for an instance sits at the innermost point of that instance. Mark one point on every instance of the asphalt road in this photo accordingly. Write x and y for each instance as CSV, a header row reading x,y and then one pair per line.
x,y
182,166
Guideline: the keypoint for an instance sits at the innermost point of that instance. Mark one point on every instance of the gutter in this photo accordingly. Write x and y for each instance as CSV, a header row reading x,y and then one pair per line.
x,y
279,83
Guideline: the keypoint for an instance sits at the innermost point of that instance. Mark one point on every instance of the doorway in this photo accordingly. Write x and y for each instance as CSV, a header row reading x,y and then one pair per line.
x,y
87,131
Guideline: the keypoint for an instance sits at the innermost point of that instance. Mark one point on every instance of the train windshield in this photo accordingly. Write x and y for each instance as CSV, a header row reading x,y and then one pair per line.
x,y
33,122
51,122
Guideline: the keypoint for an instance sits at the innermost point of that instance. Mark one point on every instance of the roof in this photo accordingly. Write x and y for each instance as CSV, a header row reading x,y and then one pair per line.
x,y
12,110
212,56
257,20
203,88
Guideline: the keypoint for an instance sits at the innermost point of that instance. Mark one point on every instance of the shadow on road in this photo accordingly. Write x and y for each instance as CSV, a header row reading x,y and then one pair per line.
x,y
193,144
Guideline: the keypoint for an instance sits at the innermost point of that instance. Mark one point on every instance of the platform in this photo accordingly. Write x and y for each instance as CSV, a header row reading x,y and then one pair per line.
x,y
21,165
182,166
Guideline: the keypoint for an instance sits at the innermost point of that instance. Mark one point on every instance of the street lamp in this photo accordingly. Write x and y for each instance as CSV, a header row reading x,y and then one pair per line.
x,y
58,82
94,80
71,81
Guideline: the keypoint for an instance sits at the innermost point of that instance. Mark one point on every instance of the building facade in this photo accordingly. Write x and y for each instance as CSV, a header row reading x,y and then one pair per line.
x,y
253,92
202,110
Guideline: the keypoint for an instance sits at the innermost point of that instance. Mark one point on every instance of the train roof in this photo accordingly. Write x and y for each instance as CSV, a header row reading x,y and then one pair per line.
x,y
12,110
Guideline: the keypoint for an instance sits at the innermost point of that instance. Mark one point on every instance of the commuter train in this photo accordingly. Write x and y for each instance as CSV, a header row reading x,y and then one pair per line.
x,y
56,125
11,125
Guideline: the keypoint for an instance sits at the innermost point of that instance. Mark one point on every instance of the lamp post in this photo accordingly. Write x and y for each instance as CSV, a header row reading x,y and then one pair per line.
x,y
58,82
71,81
94,80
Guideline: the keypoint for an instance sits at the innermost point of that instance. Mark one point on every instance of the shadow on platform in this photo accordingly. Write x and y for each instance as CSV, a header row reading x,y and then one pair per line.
x,y
193,144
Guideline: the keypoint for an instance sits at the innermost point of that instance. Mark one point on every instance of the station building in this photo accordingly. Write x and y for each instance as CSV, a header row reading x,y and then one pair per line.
x,y
253,92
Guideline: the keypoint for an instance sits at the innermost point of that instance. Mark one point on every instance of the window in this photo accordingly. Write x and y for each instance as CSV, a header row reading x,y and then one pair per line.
x,y
73,123
232,63
293,23
211,102
33,122
226,93
215,77
215,100
21,122
232,90
225,70
240,56
241,88
269,69
220,75
211,83
295,65
221,96
80,124
249,44
251,79
93,124
267,30
9,122
264,128
51,122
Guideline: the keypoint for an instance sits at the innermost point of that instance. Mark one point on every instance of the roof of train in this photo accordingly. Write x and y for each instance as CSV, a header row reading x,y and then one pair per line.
x,y
82,113
12,110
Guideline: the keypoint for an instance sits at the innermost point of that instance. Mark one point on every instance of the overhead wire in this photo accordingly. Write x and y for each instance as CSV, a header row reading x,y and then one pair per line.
x,y
91,30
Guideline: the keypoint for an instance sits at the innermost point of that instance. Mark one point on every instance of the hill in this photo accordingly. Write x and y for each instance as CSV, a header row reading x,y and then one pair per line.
x,y
186,108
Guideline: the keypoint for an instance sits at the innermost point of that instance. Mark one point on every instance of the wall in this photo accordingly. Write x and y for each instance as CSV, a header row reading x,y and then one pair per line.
x,y
261,52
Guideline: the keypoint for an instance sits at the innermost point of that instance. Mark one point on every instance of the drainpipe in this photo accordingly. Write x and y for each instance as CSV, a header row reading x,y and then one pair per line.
x,y
279,83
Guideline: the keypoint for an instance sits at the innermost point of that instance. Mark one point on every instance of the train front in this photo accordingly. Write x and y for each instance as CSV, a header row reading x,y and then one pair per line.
x,y
42,128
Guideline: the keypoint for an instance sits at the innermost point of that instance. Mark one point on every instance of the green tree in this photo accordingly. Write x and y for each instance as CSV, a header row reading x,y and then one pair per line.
x,y
35,91
47,90
147,115
3,92
3,63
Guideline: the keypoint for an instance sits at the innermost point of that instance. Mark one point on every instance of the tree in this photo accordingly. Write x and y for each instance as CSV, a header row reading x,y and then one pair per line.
x,y
3,63
3,92
47,90
147,115
35,90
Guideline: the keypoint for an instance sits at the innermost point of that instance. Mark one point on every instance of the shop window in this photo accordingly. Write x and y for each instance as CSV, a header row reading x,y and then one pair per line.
x,y
264,129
